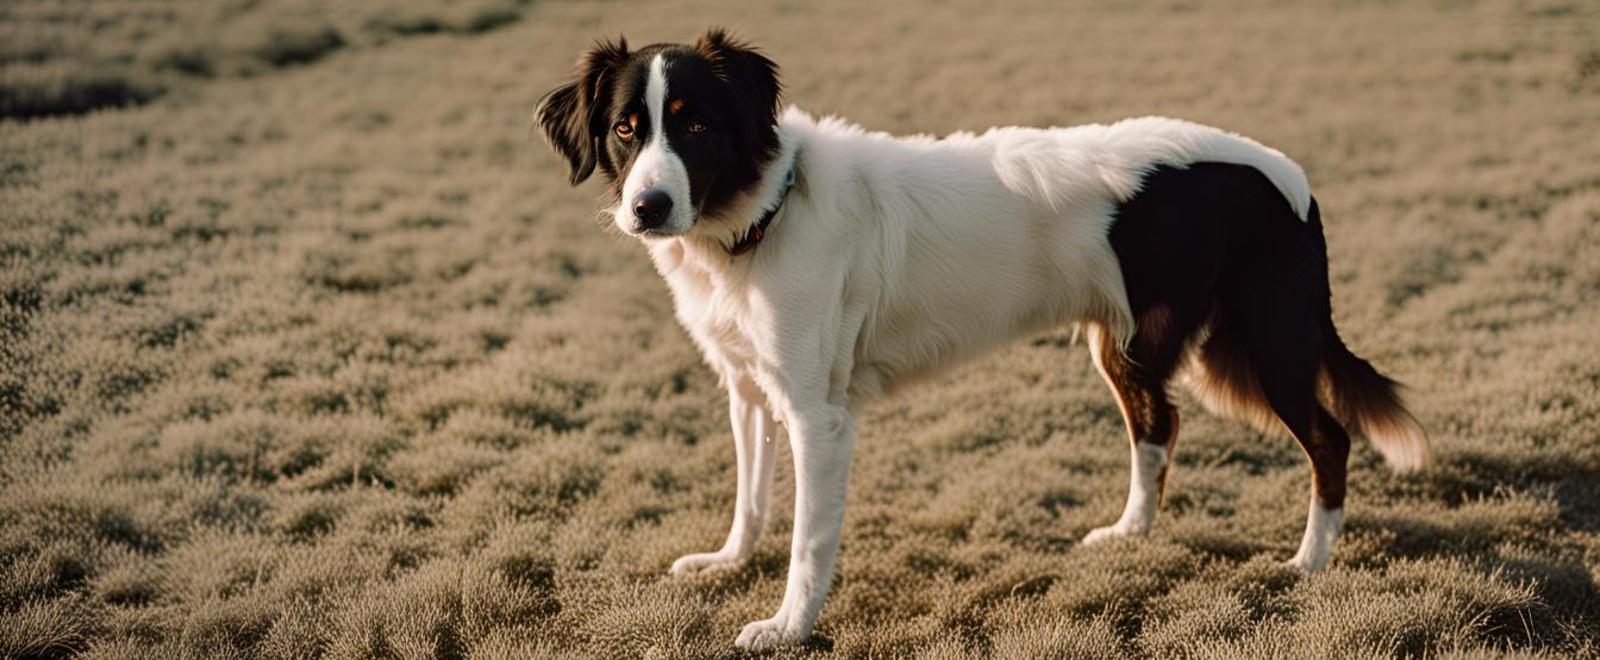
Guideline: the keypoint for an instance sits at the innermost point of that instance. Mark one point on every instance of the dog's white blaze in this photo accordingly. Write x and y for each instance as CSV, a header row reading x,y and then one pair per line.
x,y
1322,528
656,165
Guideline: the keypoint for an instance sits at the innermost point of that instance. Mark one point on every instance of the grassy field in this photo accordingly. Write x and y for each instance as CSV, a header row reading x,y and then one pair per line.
x,y
307,349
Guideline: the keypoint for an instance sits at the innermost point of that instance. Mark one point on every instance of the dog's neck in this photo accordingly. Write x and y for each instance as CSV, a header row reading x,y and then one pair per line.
x,y
720,234
758,231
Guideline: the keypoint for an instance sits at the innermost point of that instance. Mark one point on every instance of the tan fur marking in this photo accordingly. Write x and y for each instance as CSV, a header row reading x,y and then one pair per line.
x,y
1149,417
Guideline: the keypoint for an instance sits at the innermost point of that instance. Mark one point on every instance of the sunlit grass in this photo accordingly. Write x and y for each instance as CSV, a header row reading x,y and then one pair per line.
x,y
315,353
72,58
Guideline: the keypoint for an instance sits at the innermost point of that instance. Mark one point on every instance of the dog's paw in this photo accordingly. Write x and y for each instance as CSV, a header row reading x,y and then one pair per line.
x,y
1103,534
705,562
769,634
1304,564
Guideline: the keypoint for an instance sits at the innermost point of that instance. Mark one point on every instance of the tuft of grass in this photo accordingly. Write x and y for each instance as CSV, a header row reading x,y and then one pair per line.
x,y
298,42
46,629
1035,635
441,468
1588,66
487,16
71,59
134,583
463,17
180,54
1414,609
418,616
415,21
36,90
232,627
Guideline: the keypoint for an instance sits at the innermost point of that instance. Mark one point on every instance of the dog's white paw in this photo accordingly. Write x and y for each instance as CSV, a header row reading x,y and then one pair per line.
x,y
1103,534
769,634
1304,564
705,562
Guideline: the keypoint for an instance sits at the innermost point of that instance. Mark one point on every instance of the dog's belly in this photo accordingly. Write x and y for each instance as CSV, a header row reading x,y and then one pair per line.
x,y
907,354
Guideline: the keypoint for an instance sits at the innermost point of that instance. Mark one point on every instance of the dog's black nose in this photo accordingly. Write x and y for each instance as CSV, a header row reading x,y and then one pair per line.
x,y
651,208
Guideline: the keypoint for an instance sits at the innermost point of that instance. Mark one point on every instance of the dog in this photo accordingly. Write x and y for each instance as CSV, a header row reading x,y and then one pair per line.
x,y
818,265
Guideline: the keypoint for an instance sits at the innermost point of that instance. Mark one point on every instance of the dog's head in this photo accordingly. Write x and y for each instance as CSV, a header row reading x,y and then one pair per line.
x,y
679,131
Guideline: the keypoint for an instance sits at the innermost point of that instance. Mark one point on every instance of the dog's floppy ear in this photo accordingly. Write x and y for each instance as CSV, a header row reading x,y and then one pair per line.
x,y
572,116
753,74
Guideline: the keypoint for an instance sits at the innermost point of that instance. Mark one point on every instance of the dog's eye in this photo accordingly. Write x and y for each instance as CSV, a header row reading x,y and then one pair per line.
x,y
624,130
697,127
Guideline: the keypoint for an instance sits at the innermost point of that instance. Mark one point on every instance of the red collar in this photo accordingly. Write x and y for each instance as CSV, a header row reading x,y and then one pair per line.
x,y
759,230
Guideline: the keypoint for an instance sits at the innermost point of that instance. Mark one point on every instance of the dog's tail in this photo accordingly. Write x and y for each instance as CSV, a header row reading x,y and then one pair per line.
x,y
1369,402
1364,400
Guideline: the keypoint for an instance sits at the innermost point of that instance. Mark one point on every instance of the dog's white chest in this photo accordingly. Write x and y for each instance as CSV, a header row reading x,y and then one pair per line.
x,y
713,307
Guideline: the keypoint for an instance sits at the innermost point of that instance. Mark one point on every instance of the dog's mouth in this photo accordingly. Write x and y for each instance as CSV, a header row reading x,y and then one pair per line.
x,y
657,233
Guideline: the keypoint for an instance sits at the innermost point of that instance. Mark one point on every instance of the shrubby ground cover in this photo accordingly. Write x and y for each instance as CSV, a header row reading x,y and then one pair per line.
x,y
306,348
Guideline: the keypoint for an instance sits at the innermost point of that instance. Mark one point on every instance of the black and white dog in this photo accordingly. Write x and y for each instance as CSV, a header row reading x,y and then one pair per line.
x,y
818,265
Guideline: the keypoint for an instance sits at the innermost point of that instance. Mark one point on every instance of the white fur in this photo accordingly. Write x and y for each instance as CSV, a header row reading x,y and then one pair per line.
x,y
1144,494
893,258
656,165
1322,529
755,452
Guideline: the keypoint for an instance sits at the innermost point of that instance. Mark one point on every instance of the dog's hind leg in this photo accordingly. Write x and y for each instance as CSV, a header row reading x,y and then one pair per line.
x,y
1171,245
755,450
1138,378
1282,335
1329,449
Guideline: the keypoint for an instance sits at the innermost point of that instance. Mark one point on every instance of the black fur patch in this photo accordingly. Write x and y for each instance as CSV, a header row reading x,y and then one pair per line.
x,y
572,116
1215,247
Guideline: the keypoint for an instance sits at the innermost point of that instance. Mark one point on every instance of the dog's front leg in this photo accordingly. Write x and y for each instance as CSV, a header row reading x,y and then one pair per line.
x,y
822,436
755,450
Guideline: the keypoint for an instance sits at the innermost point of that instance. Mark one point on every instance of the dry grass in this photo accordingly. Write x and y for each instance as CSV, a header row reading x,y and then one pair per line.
x,y
71,58
331,362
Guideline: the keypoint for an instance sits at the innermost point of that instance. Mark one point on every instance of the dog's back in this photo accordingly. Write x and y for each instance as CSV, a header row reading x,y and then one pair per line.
x,y
975,238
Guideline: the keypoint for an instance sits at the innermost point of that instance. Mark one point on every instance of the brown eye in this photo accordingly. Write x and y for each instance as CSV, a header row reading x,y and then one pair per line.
x,y
624,130
697,127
